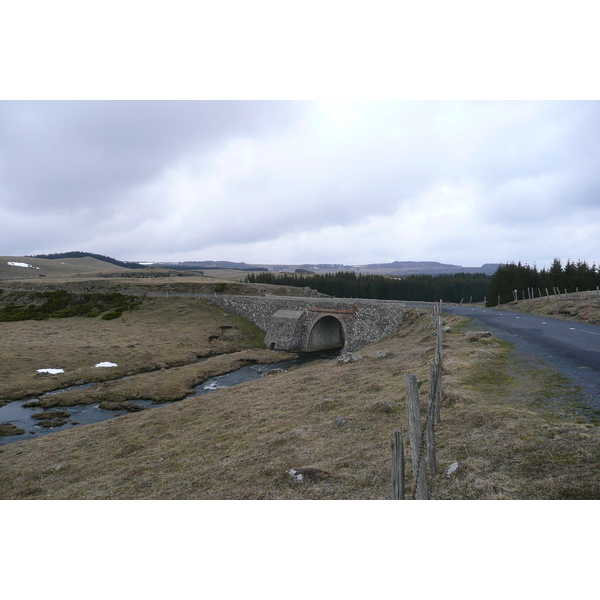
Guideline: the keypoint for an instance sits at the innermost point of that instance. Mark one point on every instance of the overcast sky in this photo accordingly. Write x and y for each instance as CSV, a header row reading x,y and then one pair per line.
x,y
345,182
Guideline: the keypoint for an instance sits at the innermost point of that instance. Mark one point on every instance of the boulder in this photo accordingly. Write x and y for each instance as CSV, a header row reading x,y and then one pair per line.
x,y
452,469
349,357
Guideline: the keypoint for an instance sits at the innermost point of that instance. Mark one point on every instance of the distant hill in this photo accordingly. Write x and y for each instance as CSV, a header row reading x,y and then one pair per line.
x,y
77,254
27,267
208,264
425,268
398,268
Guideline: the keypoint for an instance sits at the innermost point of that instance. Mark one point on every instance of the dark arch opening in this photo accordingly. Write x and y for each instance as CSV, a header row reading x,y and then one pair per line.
x,y
327,333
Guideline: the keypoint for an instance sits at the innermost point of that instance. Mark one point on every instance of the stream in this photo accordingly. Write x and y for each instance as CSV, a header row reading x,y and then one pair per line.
x,y
19,416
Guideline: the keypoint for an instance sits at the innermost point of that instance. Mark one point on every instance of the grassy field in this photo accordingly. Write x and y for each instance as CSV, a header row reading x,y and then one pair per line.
x,y
161,334
512,425
64,267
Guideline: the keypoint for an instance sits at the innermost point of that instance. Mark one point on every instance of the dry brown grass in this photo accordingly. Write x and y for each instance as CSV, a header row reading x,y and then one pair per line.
x,y
568,310
239,443
160,334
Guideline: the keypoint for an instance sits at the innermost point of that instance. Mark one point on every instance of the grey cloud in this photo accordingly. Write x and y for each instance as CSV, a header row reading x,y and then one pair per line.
x,y
148,178
64,155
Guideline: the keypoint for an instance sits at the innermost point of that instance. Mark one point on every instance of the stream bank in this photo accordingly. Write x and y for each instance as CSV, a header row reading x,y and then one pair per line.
x,y
22,420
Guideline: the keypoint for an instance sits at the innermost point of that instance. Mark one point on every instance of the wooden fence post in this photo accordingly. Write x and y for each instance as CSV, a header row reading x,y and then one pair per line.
x,y
432,415
439,359
415,434
397,466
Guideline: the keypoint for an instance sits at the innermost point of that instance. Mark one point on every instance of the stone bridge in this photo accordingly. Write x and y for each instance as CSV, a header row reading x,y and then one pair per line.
x,y
297,324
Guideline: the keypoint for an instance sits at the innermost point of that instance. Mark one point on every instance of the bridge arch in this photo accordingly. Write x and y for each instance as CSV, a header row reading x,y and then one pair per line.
x,y
326,333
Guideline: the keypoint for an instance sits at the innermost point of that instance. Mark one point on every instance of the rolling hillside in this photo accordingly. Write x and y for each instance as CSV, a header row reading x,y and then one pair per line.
x,y
64,267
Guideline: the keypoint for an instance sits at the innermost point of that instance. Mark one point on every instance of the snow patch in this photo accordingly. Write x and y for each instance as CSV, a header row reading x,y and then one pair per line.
x,y
106,364
51,371
20,264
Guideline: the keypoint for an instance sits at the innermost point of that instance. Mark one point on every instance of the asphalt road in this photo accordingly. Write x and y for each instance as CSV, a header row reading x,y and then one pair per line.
x,y
571,348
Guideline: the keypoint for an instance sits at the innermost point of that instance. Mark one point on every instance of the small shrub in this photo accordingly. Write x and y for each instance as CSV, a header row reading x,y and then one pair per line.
x,y
115,314
61,304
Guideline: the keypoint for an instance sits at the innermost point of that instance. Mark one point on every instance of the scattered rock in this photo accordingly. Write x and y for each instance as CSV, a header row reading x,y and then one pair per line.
x,y
452,469
307,474
339,422
445,329
80,381
382,354
349,357
384,406
478,334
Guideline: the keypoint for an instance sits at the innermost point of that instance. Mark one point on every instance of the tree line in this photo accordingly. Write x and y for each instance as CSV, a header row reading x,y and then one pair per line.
x,y
424,288
570,276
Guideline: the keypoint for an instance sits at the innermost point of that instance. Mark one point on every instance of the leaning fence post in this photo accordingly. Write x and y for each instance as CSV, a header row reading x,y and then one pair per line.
x,y
415,433
397,466
432,414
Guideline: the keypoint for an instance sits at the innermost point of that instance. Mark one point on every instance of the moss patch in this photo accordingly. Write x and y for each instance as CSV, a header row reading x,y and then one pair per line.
x,y
8,429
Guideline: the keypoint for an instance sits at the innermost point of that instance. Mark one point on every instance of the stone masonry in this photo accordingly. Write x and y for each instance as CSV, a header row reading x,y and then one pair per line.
x,y
297,324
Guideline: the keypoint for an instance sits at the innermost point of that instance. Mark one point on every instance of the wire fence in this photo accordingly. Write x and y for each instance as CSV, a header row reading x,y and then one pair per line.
x,y
421,439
